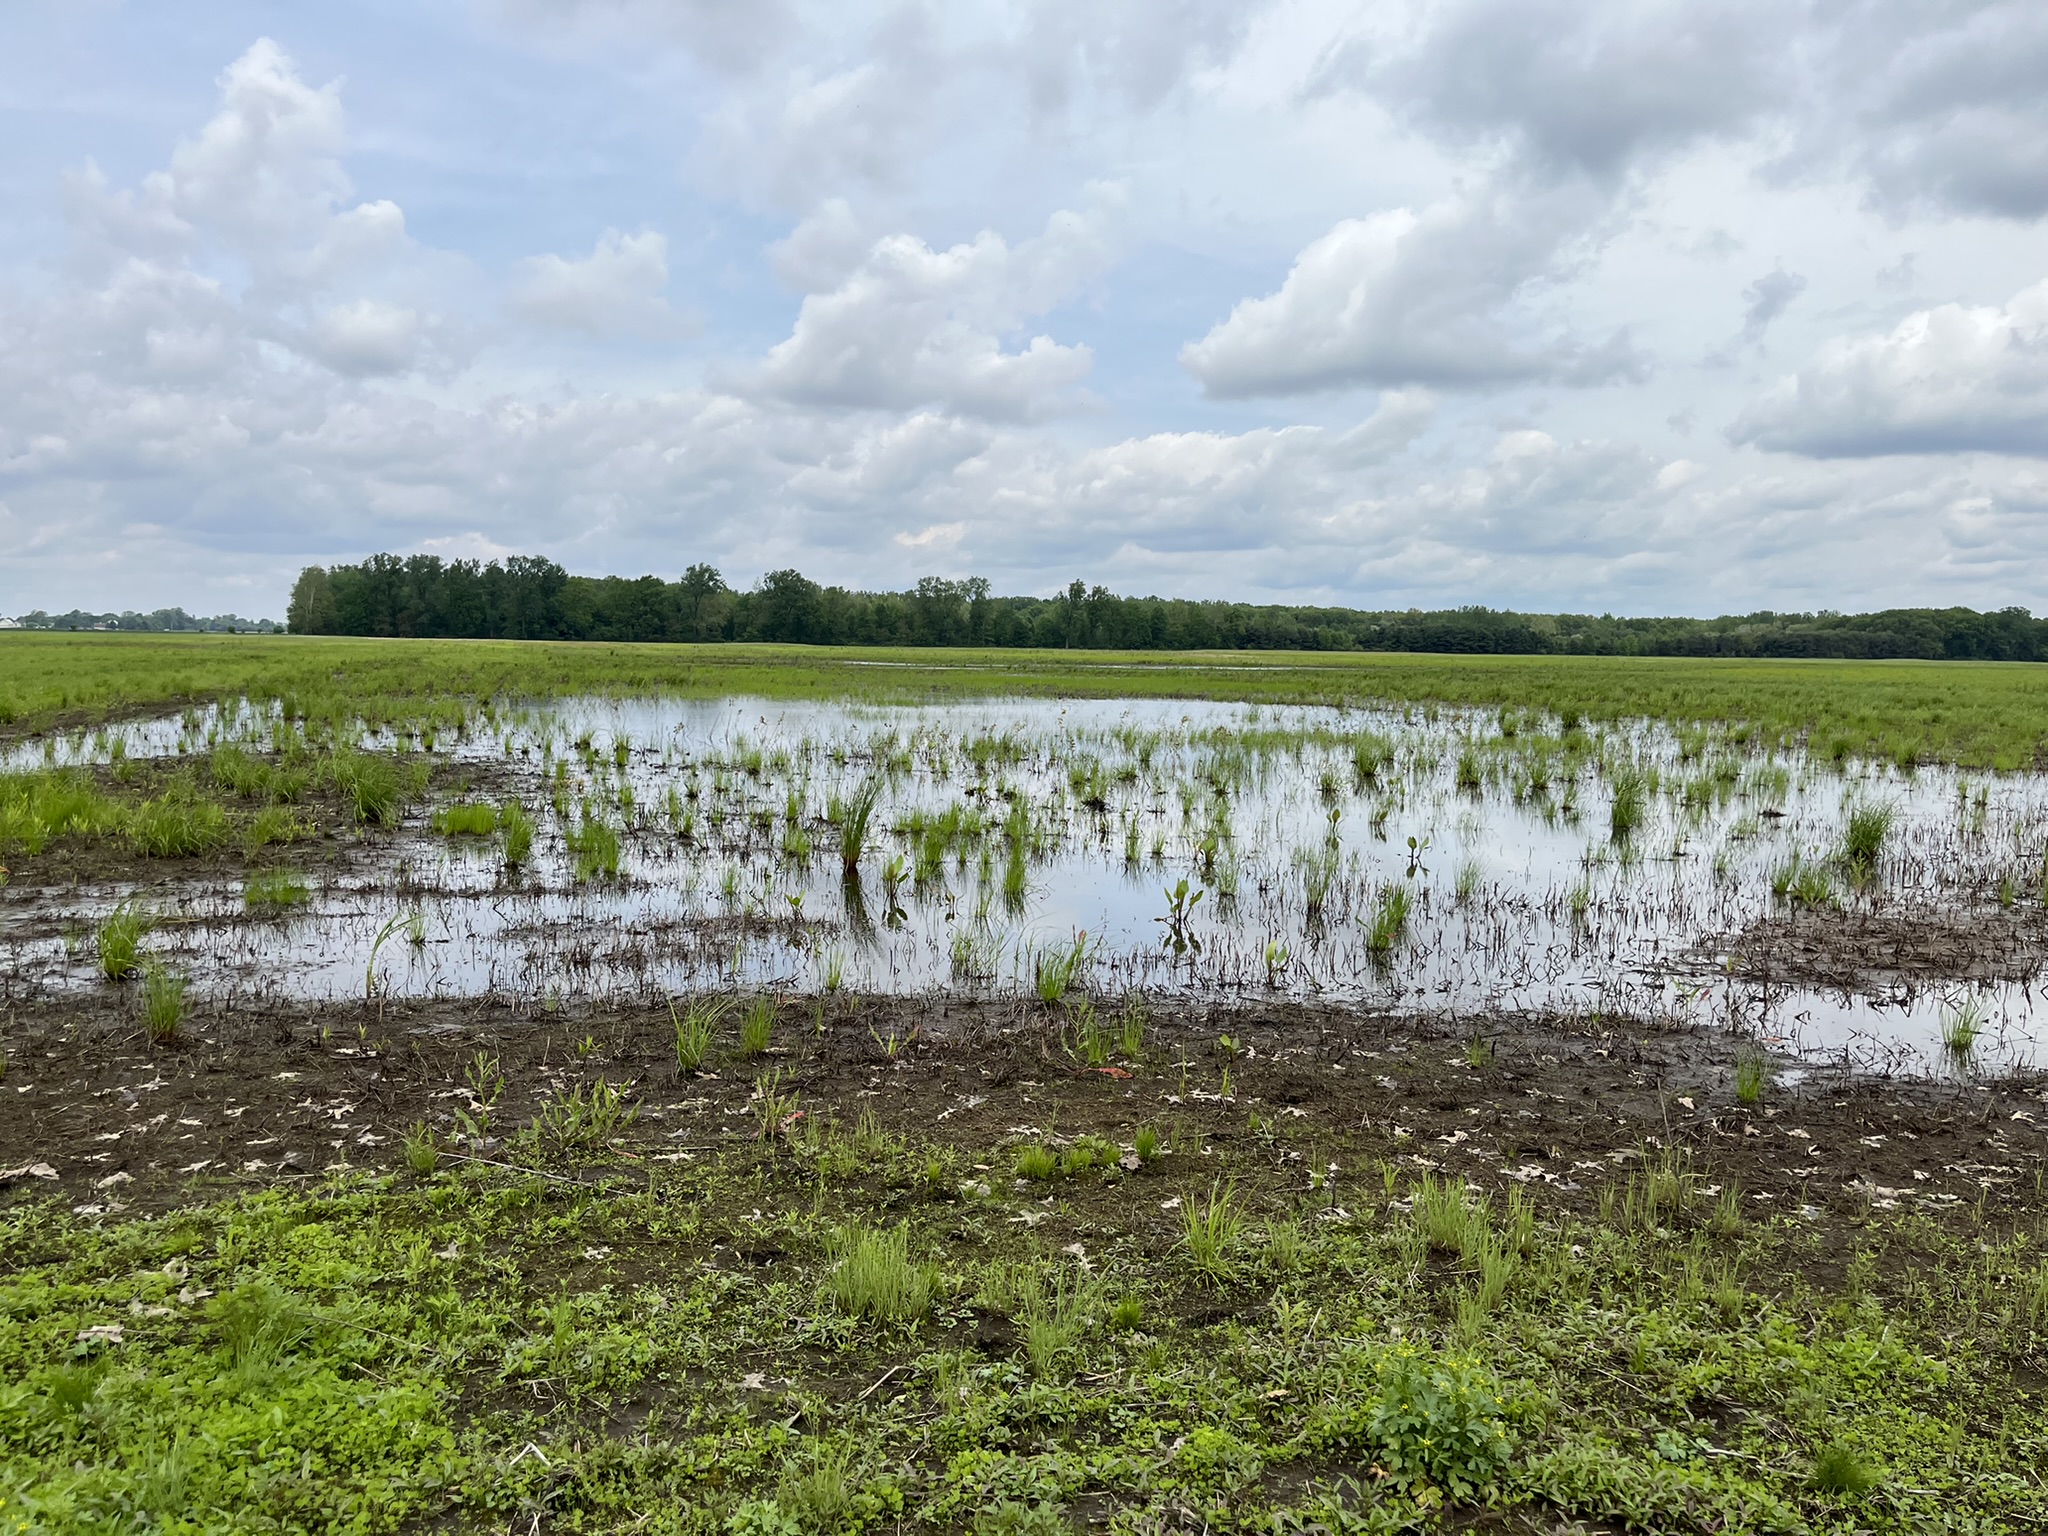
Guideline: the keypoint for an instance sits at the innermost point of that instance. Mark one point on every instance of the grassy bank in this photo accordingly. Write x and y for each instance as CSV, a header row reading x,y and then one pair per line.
x,y
1974,714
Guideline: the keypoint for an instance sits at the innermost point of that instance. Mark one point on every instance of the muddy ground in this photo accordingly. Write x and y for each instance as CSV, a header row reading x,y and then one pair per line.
x,y
89,1109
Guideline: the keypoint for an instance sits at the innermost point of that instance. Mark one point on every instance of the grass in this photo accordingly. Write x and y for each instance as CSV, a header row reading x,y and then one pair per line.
x,y
1209,1230
1057,968
696,1028
466,818
857,812
1863,839
875,1277
120,940
163,1004
1961,1024
1389,917
1986,714
410,1339
274,890
593,849
1752,1076
757,1026
517,829
1626,808
176,825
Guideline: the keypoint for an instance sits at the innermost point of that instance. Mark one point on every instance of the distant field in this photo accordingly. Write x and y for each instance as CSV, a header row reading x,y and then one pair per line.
x,y
1976,714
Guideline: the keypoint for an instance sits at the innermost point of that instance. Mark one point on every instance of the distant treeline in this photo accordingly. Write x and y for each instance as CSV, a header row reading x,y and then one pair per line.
x,y
163,621
533,599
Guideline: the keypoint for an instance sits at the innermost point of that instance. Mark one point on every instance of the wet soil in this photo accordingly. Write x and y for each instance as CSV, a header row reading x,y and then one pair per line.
x,y
90,1110
1876,952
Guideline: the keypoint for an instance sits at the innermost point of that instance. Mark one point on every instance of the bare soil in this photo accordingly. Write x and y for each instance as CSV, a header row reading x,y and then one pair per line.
x,y
89,1108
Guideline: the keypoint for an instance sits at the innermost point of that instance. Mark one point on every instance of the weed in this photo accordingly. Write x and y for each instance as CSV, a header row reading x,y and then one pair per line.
x,y
1961,1023
1145,1142
468,818
695,1029
163,1003
1437,1421
1209,1229
1752,1075
120,938
422,1152
1837,1469
874,1276
757,1026
581,1120
516,826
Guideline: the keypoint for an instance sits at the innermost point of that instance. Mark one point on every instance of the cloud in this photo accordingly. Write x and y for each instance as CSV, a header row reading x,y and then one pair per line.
x,y
1572,87
815,128
823,249
912,327
1768,298
615,290
1138,51
726,38
1409,298
1938,108
1952,379
366,337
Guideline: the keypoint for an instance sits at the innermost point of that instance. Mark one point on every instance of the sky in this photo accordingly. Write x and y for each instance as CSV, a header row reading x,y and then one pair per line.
x,y
1617,306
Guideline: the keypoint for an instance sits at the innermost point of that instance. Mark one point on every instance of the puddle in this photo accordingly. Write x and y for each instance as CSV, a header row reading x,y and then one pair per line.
x,y
1067,822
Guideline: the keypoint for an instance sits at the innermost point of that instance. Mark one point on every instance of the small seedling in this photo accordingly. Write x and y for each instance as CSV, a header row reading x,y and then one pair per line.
x,y
422,1153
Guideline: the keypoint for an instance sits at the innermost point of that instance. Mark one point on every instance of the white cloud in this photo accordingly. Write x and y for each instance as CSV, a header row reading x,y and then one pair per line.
x,y
1409,298
366,337
1955,378
912,327
1572,87
824,248
615,290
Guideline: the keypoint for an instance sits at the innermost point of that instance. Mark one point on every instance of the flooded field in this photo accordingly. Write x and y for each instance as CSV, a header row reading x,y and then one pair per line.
x,y
1018,1116
1469,865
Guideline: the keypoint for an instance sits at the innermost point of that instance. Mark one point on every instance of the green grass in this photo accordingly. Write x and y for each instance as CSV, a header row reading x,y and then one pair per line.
x,y
163,1004
594,849
120,940
274,890
517,828
769,1340
875,1277
1984,714
466,818
176,825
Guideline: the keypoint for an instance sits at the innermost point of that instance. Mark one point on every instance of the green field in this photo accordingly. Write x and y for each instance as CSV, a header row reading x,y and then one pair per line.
x,y
1974,714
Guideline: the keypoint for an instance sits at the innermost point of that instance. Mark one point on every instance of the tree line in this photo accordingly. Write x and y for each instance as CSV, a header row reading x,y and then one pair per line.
x,y
525,598
162,621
